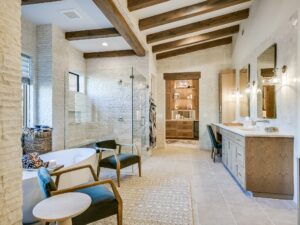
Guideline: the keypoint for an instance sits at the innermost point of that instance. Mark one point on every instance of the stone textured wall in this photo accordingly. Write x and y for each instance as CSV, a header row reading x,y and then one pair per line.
x,y
44,75
209,62
10,113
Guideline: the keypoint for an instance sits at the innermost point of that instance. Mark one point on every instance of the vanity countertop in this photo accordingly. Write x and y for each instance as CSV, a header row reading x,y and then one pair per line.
x,y
254,132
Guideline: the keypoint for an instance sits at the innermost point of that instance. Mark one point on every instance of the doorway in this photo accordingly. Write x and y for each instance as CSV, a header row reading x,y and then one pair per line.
x,y
182,108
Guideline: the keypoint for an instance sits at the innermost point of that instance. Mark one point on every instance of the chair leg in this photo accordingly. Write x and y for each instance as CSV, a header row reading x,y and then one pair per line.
x,y
118,176
98,171
212,152
140,167
120,214
214,156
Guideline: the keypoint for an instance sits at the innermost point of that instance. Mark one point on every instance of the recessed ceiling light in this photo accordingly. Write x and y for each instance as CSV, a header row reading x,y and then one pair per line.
x,y
104,44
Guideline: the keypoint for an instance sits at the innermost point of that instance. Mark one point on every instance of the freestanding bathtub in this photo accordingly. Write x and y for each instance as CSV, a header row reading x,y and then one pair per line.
x,y
69,158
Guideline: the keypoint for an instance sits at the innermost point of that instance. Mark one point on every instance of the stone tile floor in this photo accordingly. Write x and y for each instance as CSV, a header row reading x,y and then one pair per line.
x,y
217,200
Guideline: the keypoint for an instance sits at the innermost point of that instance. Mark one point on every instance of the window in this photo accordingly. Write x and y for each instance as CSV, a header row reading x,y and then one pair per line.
x,y
74,82
26,79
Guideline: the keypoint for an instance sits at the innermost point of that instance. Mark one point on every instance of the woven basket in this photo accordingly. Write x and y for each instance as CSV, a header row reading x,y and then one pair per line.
x,y
37,141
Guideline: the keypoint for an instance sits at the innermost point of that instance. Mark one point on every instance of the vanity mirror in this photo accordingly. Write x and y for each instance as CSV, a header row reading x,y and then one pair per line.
x,y
266,85
244,96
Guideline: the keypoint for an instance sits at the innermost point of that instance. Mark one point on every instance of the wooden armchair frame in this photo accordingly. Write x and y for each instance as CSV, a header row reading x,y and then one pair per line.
x,y
95,183
118,169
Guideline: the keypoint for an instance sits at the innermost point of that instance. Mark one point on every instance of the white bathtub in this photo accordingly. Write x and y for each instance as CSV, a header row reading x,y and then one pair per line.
x,y
69,158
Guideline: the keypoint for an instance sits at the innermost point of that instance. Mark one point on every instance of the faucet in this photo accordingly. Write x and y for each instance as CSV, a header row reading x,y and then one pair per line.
x,y
260,121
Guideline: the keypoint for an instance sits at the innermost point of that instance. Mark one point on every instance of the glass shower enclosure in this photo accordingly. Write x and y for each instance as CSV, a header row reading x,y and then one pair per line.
x,y
107,107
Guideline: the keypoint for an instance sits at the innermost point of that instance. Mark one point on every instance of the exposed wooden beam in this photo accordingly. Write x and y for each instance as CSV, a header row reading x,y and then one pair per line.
x,y
198,26
196,39
112,13
194,48
140,4
108,54
187,12
92,34
182,76
30,2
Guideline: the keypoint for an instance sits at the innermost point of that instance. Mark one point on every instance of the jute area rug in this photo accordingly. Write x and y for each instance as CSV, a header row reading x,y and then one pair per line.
x,y
154,201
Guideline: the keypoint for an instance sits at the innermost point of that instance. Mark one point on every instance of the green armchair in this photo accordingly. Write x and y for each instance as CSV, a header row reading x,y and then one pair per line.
x,y
118,160
104,202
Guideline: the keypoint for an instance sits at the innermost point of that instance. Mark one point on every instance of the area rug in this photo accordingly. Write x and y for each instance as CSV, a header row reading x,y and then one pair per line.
x,y
154,201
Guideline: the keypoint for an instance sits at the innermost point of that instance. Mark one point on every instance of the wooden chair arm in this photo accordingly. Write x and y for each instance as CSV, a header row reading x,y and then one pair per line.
x,y
59,173
96,183
134,147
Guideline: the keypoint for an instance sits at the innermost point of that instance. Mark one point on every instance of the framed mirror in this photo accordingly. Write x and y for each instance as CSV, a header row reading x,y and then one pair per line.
x,y
266,86
244,96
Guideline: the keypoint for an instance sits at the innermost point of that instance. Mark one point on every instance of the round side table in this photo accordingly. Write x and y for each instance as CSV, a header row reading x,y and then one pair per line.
x,y
62,208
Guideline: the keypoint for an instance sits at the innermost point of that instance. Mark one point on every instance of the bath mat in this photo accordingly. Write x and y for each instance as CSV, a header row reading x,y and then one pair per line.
x,y
154,201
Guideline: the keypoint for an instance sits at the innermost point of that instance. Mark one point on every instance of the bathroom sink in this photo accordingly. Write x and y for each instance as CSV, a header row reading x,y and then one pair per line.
x,y
249,128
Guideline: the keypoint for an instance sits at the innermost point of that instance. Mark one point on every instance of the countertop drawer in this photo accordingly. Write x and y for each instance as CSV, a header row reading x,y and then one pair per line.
x,y
171,125
171,133
185,127
185,134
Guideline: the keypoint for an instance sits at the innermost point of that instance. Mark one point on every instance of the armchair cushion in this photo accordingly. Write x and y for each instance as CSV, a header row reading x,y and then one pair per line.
x,y
45,181
125,160
103,204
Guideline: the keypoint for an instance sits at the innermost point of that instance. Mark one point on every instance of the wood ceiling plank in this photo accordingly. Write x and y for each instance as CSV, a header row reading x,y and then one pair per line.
x,y
196,39
92,34
30,2
140,4
194,48
198,26
109,54
112,13
187,12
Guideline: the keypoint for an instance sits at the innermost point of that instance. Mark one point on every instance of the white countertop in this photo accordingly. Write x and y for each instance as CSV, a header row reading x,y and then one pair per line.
x,y
253,133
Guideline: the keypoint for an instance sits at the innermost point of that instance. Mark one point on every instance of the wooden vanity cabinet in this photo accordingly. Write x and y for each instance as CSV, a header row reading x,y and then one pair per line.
x,y
261,165
180,129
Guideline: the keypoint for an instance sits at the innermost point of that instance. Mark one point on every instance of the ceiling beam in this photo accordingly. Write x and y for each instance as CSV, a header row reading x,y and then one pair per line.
x,y
187,12
112,13
198,26
140,4
194,48
182,76
92,34
30,2
108,54
196,39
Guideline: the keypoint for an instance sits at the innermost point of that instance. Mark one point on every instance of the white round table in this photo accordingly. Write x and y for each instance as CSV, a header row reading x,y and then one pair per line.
x,y
62,208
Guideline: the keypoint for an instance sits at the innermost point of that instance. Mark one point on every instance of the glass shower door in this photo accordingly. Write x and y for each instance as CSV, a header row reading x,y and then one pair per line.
x,y
139,110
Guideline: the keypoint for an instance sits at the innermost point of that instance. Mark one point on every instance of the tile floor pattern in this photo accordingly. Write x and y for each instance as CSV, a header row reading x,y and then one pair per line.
x,y
217,200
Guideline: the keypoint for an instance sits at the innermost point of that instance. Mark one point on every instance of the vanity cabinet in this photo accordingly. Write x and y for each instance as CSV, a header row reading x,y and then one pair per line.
x,y
262,165
233,155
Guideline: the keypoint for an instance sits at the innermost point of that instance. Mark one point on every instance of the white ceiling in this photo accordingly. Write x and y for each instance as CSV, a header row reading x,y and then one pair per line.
x,y
91,18
95,45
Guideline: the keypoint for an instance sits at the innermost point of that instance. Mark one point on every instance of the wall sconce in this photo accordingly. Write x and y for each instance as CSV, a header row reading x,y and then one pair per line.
x,y
236,94
252,89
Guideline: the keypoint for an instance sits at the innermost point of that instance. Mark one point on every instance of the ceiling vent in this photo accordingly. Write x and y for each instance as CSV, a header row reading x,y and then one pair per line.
x,y
71,14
